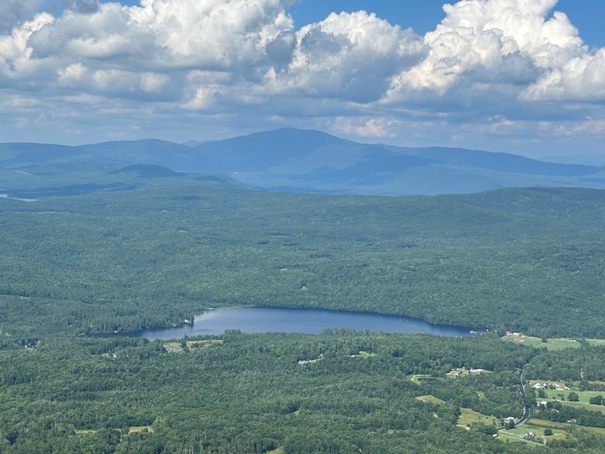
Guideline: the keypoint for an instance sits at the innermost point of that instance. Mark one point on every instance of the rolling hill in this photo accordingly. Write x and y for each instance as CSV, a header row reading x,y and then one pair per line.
x,y
312,161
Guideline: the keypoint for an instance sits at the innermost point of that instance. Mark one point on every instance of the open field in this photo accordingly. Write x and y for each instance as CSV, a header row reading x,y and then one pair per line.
x,y
596,342
418,378
363,354
469,417
431,399
538,429
178,346
516,435
277,451
586,406
562,426
550,344
136,429
584,398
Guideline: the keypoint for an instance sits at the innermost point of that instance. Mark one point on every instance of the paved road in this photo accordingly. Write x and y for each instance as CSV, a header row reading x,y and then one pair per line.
x,y
525,416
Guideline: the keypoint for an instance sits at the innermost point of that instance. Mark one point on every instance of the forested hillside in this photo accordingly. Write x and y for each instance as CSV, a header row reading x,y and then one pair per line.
x,y
248,394
90,255
129,252
313,161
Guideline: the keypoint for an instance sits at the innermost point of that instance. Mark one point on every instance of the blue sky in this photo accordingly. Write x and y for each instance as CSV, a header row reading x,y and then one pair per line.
x,y
520,76
423,15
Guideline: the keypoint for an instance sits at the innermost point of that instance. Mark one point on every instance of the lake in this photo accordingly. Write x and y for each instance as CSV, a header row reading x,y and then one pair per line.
x,y
306,321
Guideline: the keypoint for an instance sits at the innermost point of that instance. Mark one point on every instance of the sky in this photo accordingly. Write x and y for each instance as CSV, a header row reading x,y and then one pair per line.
x,y
517,76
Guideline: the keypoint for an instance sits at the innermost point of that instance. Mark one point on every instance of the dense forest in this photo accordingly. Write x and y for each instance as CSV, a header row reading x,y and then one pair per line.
x,y
249,393
529,260
87,263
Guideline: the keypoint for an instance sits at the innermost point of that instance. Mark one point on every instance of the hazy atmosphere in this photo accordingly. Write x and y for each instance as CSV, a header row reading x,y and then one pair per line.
x,y
302,226
520,76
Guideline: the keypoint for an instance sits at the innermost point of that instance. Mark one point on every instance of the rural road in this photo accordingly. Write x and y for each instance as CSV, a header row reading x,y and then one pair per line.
x,y
525,416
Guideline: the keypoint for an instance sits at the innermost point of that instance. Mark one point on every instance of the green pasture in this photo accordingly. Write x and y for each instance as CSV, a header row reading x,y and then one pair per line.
x,y
560,426
469,417
583,396
550,344
431,399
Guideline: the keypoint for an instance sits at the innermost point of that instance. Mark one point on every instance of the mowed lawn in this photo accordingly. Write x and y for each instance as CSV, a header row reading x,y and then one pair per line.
x,y
550,344
560,426
583,396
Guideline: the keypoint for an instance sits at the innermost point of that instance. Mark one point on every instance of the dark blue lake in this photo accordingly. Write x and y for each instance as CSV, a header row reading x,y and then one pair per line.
x,y
307,321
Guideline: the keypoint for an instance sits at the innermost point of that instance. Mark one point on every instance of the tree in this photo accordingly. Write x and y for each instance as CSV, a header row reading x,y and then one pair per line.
x,y
542,394
547,432
510,424
573,397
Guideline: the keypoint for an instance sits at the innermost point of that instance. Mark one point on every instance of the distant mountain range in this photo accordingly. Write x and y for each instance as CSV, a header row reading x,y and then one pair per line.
x,y
304,160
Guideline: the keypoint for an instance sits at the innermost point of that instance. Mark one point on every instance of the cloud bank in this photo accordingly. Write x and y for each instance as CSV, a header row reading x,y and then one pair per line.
x,y
496,67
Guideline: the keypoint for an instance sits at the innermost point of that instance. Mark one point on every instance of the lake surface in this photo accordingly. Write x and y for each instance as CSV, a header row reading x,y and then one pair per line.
x,y
306,321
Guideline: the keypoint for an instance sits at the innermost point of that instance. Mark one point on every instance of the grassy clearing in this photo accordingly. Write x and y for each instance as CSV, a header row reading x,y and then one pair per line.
x,y
563,426
596,342
597,408
558,433
469,417
517,438
418,378
463,372
550,344
132,429
136,429
277,451
175,347
363,354
204,343
584,398
430,399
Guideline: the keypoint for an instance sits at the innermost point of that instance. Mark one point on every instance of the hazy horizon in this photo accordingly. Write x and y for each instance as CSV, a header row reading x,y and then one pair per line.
x,y
515,76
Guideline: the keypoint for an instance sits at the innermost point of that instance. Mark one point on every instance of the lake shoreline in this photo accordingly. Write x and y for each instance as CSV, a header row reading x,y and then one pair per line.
x,y
262,319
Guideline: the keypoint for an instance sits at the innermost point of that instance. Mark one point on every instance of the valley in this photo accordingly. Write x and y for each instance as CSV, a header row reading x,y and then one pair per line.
x,y
103,253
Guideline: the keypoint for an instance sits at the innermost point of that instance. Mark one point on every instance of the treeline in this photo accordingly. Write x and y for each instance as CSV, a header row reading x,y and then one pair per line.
x,y
556,411
584,365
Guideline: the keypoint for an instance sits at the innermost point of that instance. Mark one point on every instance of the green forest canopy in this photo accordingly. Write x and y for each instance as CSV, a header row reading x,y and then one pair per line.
x,y
123,257
529,260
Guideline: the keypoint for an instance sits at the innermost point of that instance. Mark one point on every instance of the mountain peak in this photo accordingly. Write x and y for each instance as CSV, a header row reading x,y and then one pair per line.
x,y
310,160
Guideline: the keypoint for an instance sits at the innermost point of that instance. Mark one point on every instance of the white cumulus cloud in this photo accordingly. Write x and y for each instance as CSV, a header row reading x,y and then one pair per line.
x,y
14,12
520,61
502,49
347,56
